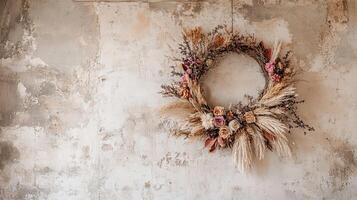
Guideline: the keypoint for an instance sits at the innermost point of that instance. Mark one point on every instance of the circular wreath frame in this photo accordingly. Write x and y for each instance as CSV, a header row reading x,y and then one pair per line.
x,y
251,128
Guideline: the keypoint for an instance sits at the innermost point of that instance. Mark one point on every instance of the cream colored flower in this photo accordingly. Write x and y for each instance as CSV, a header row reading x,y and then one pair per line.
x,y
209,62
207,121
224,132
234,125
218,111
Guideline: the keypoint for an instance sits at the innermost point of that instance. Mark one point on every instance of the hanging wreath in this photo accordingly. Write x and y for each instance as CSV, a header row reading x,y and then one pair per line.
x,y
251,128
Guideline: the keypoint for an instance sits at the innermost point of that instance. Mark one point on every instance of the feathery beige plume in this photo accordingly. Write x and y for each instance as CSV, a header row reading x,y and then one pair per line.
x,y
281,146
272,125
177,109
285,94
273,89
258,143
197,99
276,50
181,118
242,152
277,129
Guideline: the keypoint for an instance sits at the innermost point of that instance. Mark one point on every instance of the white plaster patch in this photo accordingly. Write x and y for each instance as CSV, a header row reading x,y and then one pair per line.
x,y
21,90
23,63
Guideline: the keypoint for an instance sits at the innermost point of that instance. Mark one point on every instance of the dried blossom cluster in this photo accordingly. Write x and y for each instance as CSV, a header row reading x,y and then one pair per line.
x,y
248,129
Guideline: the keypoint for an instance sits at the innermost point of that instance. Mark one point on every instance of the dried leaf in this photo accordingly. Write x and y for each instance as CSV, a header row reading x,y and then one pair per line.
x,y
221,142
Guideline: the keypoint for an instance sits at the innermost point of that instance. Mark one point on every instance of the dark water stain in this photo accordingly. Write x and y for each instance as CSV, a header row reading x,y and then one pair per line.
x,y
8,154
23,192
194,6
9,98
343,165
14,23
178,9
337,12
179,159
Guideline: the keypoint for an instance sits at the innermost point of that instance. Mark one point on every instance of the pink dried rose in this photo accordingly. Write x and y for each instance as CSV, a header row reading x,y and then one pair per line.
x,y
218,111
219,121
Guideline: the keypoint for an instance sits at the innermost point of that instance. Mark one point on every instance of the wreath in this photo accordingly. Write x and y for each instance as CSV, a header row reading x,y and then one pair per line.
x,y
247,128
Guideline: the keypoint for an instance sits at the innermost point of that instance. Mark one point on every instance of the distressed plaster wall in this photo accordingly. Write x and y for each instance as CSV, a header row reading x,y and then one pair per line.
x,y
78,100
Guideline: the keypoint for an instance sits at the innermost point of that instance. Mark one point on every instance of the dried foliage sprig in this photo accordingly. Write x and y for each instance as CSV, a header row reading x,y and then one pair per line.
x,y
249,129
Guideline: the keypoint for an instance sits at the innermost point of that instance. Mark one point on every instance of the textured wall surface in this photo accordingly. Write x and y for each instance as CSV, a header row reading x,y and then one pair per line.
x,y
79,86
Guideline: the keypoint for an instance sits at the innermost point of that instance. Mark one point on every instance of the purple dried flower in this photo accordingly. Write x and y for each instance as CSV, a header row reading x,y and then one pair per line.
x,y
219,121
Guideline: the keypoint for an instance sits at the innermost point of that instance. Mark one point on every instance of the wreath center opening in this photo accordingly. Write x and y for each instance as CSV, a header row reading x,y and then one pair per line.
x,y
234,76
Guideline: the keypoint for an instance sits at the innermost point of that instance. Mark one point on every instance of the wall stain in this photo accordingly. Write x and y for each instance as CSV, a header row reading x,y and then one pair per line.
x,y
16,17
343,165
178,9
8,154
337,12
142,24
9,98
312,16
174,159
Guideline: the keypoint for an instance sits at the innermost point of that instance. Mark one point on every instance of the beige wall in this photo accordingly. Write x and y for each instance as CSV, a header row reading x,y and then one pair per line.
x,y
79,86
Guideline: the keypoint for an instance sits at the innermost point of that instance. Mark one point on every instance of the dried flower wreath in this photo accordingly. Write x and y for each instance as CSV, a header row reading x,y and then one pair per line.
x,y
248,129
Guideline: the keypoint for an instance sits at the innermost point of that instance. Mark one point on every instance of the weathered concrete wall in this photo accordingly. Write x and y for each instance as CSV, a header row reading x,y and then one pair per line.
x,y
78,100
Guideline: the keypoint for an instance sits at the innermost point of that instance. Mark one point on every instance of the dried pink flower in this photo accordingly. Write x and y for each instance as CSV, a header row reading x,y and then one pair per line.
x,y
276,77
269,67
219,121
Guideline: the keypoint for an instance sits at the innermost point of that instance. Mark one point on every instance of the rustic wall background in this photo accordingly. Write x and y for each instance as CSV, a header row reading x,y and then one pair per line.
x,y
78,100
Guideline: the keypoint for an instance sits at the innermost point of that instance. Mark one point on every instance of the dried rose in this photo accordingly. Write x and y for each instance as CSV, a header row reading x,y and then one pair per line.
x,y
249,117
224,132
207,121
218,111
221,142
219,121
210,143
234,125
